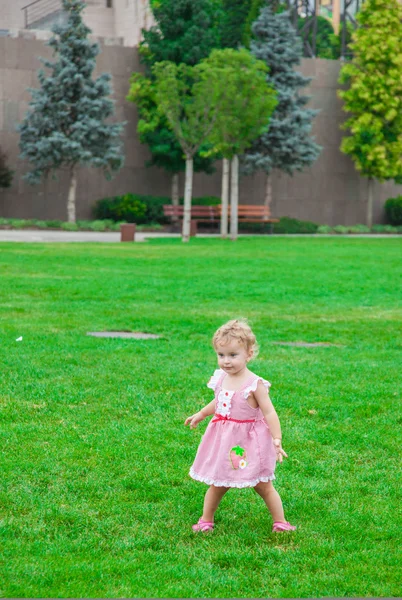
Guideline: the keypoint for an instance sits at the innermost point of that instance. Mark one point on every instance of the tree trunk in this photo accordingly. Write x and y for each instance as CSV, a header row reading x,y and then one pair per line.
x,y
234,198
369,218
72,195
188,189
175,193
225,198
268,193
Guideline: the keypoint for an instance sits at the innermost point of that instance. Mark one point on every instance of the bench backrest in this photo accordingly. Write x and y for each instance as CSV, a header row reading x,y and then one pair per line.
x,y
170,210
213,212
252,210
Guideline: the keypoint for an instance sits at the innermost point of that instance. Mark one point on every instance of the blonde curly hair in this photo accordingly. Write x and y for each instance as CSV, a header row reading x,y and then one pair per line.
x,y
239,330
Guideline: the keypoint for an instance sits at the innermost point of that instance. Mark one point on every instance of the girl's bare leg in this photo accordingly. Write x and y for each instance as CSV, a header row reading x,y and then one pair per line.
x,y
211,502
272,499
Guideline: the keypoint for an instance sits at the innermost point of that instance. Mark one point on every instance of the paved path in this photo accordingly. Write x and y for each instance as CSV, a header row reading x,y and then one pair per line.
x,y
29,235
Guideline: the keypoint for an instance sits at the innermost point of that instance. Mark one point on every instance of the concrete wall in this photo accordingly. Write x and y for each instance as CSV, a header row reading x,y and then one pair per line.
x,y
99,18
11,14
329,192
131,16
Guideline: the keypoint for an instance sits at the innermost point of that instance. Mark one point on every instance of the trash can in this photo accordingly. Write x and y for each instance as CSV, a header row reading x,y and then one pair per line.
x,y
127,231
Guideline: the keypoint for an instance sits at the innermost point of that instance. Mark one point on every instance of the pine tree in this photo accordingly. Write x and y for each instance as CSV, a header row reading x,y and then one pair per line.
x,y
374,97
6,175
287,145
66,124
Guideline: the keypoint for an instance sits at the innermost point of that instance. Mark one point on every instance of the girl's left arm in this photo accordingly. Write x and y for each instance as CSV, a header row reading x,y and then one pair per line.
x,y
272,419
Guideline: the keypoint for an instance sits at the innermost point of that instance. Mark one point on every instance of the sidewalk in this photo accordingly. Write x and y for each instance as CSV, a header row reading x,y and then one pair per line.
x,y
30,235
34,235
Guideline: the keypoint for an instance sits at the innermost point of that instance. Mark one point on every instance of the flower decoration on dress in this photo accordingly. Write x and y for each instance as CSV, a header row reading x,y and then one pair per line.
x,y
224,402
237,457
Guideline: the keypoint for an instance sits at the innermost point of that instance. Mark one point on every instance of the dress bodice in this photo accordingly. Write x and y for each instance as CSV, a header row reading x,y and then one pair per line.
x,y
232,404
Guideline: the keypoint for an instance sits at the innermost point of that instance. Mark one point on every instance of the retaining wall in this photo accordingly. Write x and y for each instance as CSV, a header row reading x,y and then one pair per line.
x,y
330,192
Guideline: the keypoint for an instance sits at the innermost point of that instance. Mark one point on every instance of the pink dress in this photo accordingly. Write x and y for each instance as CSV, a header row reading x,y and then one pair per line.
x,y
236,449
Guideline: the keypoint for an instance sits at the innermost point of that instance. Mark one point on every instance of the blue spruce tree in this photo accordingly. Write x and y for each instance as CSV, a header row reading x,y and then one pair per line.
x,y
287,144
66,125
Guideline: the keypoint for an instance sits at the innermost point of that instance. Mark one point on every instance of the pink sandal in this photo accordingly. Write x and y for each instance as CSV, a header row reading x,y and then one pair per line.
x,y
279,526
203,526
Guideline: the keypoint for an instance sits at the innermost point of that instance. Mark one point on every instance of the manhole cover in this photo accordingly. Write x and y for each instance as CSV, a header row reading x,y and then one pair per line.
x,y
307,344
137,335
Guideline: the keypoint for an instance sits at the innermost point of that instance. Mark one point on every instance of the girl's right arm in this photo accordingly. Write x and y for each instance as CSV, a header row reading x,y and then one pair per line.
x,y
208,410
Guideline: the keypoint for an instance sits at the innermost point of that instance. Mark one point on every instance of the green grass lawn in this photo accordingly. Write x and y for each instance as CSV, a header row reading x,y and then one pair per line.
x,y
95,497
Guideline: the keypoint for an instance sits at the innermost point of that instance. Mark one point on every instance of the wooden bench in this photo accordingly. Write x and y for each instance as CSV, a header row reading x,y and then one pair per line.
x,y
254,213
199,214
247,213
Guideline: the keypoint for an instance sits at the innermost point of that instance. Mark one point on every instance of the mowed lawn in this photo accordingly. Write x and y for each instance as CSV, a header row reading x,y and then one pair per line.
x,y
95,496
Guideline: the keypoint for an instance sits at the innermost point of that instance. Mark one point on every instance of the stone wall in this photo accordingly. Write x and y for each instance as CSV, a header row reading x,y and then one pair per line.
x,y
329,192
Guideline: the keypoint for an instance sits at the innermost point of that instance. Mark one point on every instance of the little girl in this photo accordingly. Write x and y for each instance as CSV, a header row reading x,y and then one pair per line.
x,y
242,442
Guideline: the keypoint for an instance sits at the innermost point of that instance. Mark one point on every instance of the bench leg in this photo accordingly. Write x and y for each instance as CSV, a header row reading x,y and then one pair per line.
x,y
193,228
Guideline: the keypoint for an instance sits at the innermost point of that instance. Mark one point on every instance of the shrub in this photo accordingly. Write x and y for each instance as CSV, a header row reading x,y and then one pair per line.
x,y
116,226
359,229
131,208
97,226
20,223
203,201
341,229
393,210
39,223
67,226
289,225
142,209
6,175
385,229
53,223
324,229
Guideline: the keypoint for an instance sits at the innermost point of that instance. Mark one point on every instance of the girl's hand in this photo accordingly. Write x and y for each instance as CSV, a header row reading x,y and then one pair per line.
x,y
280,452
194,420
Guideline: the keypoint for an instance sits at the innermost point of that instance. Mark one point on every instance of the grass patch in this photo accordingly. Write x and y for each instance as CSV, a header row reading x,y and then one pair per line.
x,y
95,498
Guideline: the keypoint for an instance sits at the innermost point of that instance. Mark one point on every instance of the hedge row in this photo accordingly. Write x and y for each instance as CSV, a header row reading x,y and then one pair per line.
x,y
149,209
134,208
285,225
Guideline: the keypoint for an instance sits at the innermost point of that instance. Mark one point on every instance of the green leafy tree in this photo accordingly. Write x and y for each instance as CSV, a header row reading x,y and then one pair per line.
x,y
233,22
374,96
6,175
190,114
67,124
154,131
224,100
255,8
185,32
236,83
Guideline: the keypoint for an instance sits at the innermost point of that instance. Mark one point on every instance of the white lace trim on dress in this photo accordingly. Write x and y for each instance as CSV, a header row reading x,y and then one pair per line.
x,y
224,403
253,386
212,383
234,484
